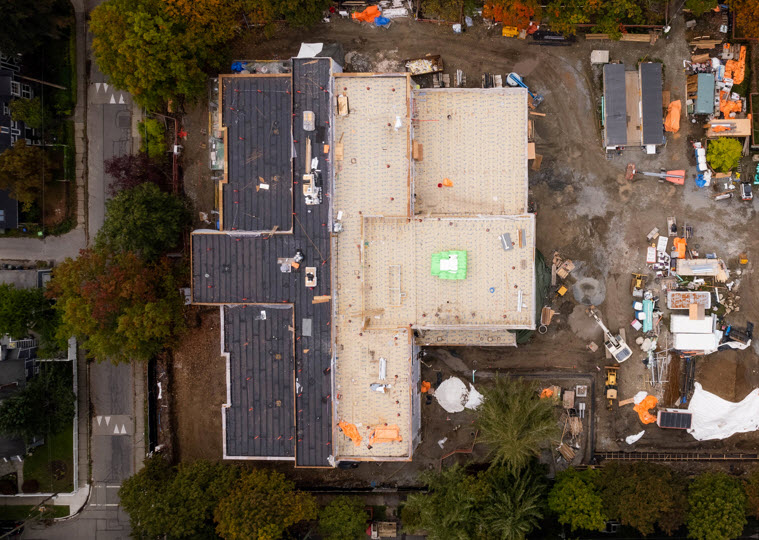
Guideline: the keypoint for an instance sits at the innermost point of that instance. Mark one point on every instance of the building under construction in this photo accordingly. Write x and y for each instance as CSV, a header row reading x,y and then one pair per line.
x,y
359,219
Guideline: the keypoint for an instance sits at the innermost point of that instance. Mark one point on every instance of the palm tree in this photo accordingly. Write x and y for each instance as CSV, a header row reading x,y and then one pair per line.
x,y
514,504
515,423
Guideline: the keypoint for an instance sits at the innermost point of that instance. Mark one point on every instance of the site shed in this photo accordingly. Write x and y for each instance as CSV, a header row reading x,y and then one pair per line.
x,y
696,342
683,299
705,94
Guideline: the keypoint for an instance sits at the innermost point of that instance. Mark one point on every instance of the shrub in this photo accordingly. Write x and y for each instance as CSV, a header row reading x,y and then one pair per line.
x,y
723,155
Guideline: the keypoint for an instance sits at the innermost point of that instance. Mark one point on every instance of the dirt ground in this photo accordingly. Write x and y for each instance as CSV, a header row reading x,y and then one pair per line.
x,y
585,209
198,389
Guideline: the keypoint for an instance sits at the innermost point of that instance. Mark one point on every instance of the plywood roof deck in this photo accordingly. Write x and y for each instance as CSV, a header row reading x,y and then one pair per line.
x,y
393,217
477,139
373,179
400,290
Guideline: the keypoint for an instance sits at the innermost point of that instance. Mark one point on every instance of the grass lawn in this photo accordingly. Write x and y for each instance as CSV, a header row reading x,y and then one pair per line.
x,y
52,464
19,512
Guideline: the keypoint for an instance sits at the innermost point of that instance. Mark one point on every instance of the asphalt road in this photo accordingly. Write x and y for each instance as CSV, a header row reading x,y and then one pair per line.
x,y
117,444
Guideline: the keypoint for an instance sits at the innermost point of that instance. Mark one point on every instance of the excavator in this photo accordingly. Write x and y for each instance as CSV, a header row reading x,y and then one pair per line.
x,y
616,345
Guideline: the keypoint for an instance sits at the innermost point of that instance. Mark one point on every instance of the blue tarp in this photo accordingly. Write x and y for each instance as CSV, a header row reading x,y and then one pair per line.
x,y
381,21
700,181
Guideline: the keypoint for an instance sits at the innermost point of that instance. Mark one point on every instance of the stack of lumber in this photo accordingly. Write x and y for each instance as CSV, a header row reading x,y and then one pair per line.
x,y
705,43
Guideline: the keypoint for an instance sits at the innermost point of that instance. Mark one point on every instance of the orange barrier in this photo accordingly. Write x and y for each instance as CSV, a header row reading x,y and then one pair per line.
x,y
368,15
426,385
672,121
351,431
736,69
385,434
546,393
649,402
680,244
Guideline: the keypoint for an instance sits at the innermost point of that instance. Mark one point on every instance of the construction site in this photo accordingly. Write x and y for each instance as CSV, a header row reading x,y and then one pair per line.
x,y
378,236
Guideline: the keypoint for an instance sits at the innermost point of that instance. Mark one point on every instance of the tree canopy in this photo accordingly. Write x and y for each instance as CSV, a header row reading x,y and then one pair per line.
x,y
44,406
144,220
131,170
120,307
724,154
263,505
746,14
624,485
24,310
717,507
160,50
22,169
344,518
515,423
24,25
176,502
153,55
699,7
28,111
492,504
576,501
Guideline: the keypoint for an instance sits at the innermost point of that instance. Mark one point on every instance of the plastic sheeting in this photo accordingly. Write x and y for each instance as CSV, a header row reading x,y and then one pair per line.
x,y
453,396
642,408
630,439
716,418
368,15
351,431
672,121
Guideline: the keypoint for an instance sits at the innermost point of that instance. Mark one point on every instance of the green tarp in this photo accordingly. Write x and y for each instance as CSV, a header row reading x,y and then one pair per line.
x,y
449,264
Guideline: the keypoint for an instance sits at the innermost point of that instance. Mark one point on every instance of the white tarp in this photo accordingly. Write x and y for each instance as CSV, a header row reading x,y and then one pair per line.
x,y
632,439
683,324
716,418
309,50
453,396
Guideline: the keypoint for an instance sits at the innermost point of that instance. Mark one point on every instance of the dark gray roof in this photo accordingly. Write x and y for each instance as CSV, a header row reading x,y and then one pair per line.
x,y
258,115
651,98
615,104
260,419
5,83
233,267
10,208
311,229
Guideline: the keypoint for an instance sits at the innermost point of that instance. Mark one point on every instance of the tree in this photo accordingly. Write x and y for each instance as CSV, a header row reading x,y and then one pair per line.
x,y
176,503
576,501
517,13
724,154
717,507
25,310
514,506
492,504
613,13
153,134
699,7
21,309
22,169
28,111
515,423
263,505
131,170
144,220
344,518
746,14
448,10
44,406
752,492
153,55
119,306
24,26
623,486
564,15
